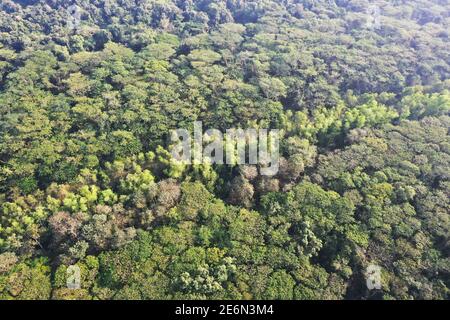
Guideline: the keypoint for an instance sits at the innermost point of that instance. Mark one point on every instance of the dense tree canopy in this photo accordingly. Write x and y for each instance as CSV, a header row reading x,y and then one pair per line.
x,y
89,91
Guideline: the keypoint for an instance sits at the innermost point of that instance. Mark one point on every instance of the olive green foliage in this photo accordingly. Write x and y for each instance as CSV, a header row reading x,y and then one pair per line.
x,y
87,179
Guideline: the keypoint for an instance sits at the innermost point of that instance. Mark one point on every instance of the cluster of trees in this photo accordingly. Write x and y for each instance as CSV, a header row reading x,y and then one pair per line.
x,y
86,178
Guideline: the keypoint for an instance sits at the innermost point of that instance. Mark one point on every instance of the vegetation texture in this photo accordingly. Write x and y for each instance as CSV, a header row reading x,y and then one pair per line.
x,y
86,106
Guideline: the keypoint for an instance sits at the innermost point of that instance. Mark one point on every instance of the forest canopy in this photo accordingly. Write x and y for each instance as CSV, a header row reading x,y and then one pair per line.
x,y
90,90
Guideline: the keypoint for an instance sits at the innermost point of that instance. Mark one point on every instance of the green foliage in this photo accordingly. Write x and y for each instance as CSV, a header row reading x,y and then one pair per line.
x,y
195,197
87,177
280,286
26,281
